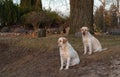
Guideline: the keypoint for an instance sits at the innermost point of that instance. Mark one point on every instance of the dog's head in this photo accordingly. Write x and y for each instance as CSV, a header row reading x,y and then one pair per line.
x,y
84,30
62,41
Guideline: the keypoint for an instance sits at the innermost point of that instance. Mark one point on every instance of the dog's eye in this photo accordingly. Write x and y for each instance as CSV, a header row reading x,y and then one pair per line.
x,y
85,29
60,41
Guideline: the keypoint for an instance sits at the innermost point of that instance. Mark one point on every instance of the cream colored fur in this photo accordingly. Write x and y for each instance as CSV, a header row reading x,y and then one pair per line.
x,y
68,55
90,42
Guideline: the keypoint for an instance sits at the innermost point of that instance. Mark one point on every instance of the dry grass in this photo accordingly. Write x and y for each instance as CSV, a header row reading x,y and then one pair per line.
x,y
21,57
50,43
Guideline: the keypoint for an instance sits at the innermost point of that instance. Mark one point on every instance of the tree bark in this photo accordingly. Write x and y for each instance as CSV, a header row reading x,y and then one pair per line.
x,y
38,5
35,4
81,14
25,3
118,4
118,17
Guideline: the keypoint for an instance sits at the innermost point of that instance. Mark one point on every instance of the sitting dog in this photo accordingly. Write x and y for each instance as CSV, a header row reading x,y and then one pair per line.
x,y
68,55
90,42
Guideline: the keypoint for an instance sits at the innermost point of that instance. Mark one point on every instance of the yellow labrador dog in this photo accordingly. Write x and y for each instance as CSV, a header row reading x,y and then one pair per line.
x,y
90,42
68,55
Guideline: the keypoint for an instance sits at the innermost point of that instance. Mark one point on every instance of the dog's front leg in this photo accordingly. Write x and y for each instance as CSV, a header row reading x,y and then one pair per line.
x,y
61,63
90,49
85,49
68,64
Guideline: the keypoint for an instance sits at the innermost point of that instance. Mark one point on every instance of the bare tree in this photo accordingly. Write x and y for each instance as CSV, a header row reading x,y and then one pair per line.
x,y
103,4
38,5
118,4
118,12
60,6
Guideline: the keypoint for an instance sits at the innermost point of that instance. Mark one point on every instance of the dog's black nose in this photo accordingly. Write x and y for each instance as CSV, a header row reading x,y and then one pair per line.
x,y
83,33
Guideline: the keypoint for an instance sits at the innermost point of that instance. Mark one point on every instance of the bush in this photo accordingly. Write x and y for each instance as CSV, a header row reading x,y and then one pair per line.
x,y
5,29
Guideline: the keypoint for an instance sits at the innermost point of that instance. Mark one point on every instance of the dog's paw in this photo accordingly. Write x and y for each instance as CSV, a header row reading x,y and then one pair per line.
x,y
84,53
61,68
66,68
89,53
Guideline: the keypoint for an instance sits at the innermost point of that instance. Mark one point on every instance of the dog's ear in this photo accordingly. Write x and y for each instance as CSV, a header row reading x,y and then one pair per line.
x,y
65,40
81,29
87,29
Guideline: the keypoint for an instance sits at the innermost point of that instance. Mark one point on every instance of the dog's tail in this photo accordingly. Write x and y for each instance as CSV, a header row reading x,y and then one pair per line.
x,y
104,49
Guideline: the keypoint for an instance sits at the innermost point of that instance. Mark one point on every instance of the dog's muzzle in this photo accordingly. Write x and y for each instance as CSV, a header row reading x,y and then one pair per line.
x,y
59,45
83,33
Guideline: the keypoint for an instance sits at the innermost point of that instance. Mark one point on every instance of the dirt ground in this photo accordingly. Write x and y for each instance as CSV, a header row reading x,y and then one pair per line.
x,y
22,62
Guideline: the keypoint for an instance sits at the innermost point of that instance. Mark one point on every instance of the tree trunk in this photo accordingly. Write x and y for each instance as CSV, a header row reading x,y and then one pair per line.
x,y
39,32
38,5
35,4
118,17
81,14
35,27
25,3
118,2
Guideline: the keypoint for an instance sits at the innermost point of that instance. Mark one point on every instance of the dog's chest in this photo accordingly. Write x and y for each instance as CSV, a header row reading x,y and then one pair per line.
x,y
64,52
86,40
